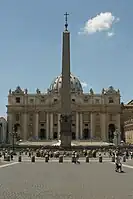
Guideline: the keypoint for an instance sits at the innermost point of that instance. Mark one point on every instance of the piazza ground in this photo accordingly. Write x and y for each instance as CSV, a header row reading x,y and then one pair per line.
x,y
41,180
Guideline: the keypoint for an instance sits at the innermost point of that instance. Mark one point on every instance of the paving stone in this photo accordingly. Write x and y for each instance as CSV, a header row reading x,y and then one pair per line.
x,y
64,181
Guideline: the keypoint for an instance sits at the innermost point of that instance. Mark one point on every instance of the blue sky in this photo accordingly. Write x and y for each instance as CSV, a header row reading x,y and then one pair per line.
x,y
31,39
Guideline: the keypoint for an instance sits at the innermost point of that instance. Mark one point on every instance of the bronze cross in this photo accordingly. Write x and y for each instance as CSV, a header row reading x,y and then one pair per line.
x,y
66,24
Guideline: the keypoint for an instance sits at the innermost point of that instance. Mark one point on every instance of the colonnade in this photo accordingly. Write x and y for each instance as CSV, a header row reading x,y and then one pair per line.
x,y
79,125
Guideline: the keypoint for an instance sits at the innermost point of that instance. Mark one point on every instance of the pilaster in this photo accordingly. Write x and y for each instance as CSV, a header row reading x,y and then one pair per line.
x,y
77,125
59,125
47,125
81,125
25,126
92,132
104,126
118,126
36,124
51,125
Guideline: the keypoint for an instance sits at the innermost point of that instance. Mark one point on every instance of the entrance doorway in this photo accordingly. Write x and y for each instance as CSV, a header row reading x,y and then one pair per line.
x,y
111,130
73,136
42,134
86,134
17,130
55,136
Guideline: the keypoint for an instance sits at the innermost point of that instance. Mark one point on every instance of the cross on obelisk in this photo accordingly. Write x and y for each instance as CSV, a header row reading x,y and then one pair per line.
x,y
65,122
66,23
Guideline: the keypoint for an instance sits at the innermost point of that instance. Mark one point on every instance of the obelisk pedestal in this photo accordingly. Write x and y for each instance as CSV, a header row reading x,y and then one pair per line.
x,y
66,136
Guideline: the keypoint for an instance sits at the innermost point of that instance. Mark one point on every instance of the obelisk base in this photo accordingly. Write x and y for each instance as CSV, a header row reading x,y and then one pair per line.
x,y
65,141
66,135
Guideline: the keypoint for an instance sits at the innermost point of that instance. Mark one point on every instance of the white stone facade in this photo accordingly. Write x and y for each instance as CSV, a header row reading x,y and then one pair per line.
x,y
3,130
38,114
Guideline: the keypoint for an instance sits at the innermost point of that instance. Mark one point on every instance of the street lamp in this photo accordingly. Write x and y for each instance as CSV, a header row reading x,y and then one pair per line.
x,y
117,137
14,135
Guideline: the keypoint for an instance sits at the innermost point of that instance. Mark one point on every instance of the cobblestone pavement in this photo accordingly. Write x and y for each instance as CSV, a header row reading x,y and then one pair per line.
x,y
65,181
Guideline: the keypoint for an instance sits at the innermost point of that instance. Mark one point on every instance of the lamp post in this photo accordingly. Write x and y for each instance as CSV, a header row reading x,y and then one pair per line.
x,y
117,137
14,135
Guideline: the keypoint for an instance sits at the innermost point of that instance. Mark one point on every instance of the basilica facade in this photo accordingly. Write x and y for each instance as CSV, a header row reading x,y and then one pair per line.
x,y
95,116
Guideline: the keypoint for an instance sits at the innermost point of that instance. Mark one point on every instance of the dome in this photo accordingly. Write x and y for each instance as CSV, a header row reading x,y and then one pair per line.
x,y
75,84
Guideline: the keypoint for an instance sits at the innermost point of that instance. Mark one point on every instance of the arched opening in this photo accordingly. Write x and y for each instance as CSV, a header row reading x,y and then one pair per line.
x,y
111,130
16,127
42,134
73,136
86,134
55,135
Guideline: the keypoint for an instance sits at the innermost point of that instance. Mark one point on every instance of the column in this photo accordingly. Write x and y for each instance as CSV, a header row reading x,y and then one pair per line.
x,y
103,126
92,133
25,125
59,126
51,125
36,124
77,125
118,128
10,126
47,125
81,125
10,122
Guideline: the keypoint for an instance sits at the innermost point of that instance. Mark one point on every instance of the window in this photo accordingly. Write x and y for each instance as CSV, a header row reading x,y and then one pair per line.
x,y
31,100
73,124
97,101
42,99
55,135
55,100
85,99
73,135
17,117
86,124
31,117
17,99
42,124
73,100
55,124
111,100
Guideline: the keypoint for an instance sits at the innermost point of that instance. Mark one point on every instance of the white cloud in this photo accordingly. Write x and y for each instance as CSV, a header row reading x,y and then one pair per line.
x,y
110,34
99,23
84,84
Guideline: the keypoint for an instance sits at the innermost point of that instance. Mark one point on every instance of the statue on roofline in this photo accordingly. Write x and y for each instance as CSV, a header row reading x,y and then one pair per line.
x,y
91,91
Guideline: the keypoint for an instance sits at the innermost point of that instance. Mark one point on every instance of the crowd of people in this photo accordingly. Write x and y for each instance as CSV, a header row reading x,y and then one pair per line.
x,y
117,154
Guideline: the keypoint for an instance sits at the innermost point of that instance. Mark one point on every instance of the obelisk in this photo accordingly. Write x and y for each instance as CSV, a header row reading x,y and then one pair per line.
x,y
65,121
